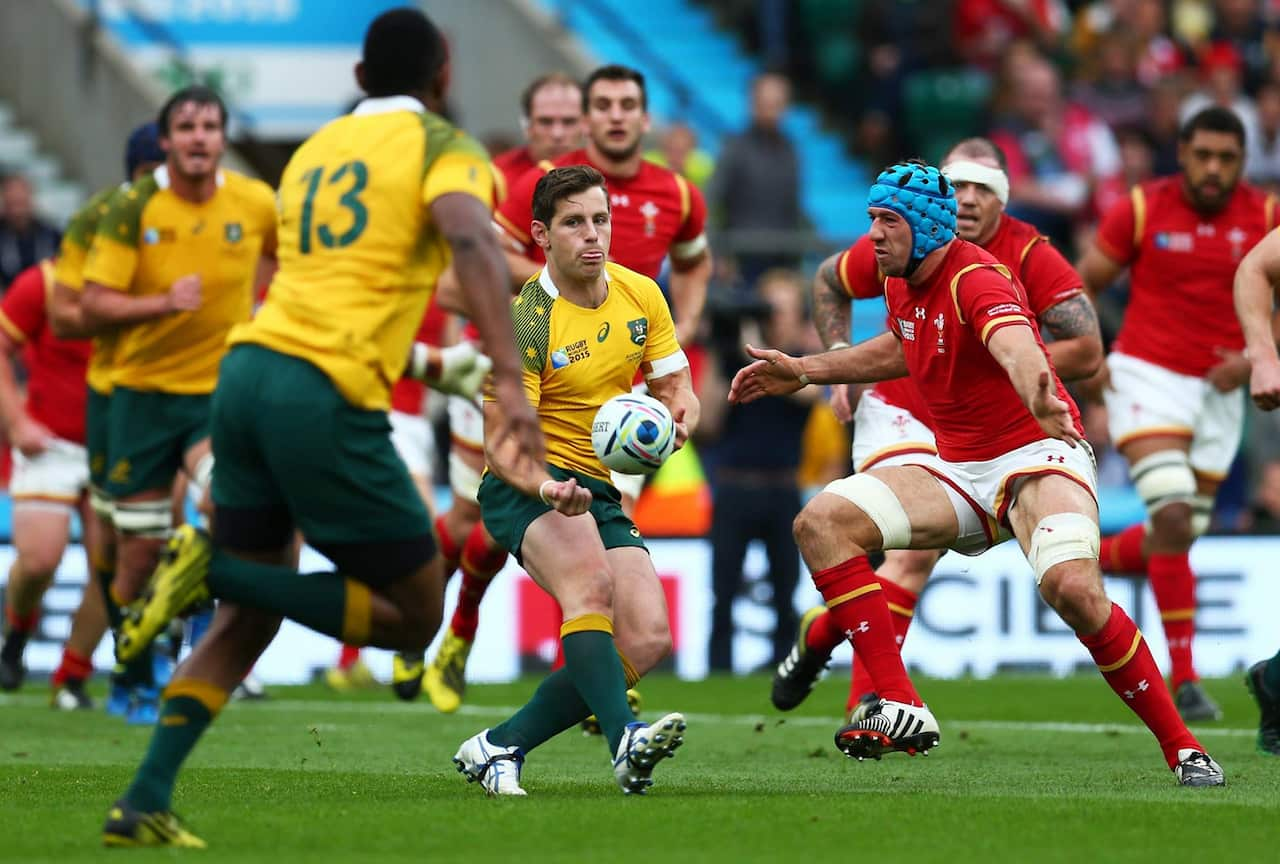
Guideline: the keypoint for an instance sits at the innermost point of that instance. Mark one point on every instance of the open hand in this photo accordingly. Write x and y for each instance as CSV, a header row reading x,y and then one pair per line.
x,y
772,374
1053,414
1231,371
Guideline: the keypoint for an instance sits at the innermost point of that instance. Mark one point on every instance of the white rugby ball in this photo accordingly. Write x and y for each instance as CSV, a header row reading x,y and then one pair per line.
x,y
633,434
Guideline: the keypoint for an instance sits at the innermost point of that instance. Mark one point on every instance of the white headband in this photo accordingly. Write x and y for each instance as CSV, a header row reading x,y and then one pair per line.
x,y
965,171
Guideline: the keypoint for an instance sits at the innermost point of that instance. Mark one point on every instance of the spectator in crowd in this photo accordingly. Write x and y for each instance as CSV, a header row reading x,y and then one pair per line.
x,y
755,190
1222,84
678,150
1163,123
1137,155
1112,91
1145,22
1064,165
754,462
1263,165
1239,23
984,29
24,237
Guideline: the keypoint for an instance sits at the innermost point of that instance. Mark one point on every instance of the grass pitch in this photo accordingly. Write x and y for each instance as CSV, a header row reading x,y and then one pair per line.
x,y
1029,769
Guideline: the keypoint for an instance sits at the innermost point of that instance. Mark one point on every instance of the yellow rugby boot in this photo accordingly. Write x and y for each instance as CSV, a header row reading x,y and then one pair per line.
x,y
177,584
127,827
406,675
446,678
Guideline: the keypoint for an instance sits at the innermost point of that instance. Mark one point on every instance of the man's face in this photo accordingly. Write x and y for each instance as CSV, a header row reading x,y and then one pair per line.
x,y
576,242
616,118
769,100
1211,165
195,140
555,121
19,209
977,207
891,238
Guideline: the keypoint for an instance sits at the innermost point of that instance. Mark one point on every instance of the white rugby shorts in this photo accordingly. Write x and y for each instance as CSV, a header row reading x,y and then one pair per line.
x,y
414,441
57,477
1145,399
885,435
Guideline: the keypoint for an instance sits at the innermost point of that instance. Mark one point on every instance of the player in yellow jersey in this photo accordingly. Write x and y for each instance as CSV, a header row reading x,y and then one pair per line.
x,y
66,316
584,328
372,208
172,268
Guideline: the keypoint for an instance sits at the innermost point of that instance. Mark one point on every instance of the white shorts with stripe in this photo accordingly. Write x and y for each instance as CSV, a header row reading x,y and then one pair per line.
x,y
55,478
1146,400
414,441
885,434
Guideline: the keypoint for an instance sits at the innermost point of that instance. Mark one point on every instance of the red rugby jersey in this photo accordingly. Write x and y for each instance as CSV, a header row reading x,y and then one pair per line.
x,y
409,394
655,212
512,165
944,325
1182,265
56,367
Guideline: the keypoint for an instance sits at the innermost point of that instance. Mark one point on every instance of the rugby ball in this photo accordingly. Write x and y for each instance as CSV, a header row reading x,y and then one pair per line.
x,y
633,434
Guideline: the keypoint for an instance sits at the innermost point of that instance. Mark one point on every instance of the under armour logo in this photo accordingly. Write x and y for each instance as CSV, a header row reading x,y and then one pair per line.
x,y
863,627
1142,687
920,313
1058,459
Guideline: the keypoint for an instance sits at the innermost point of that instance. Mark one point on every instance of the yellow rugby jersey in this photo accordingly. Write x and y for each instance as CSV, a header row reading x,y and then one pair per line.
x,y
69,270
576,359
359,254
147,240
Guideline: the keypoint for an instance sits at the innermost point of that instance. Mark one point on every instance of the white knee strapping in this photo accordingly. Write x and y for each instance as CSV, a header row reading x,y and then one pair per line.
x,y
199,480
1062,537
876,499
1201,514
1163,478
464,480
153,519
101,504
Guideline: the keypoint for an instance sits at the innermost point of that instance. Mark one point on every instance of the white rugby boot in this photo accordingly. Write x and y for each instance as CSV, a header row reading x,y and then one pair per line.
x,y
644,746
496,769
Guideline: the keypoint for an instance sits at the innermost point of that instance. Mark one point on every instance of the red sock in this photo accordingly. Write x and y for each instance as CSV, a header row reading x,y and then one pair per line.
x,y
823,635
857,603
349,657
74,666
1125,661
449,548
902,606
480,563
1174,586
21,623
1122,553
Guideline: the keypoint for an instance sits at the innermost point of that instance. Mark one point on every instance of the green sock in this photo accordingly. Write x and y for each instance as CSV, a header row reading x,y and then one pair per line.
x,y
1271,675
556,706
591,659
316,600
182,721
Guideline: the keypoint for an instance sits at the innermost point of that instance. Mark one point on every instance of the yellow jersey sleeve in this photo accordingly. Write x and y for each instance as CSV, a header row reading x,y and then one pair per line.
x,y
662,353
531,318
77,238
459,171
113,257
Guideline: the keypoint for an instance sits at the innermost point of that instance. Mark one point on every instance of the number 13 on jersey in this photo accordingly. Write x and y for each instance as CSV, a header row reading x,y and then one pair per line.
x,y
350,178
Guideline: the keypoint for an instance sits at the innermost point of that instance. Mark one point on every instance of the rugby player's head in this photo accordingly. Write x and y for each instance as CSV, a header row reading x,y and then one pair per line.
x,y
976,168
551,115
1211,154
193,126
617,111
571,221
404,55
913,214
142,152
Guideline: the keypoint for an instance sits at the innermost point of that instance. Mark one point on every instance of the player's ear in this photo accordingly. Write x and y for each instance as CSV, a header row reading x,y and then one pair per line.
x,y
539,231
359,73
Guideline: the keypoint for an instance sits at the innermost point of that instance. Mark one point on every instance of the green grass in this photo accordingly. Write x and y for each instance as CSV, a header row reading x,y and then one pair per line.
x,y
1030,769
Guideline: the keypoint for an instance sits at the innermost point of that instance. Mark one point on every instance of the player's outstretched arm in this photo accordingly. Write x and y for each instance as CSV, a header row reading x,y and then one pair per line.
x,y
676,392
104,308
1255,296
1016,350
1076,349
503,458
776,374
832,314
465,224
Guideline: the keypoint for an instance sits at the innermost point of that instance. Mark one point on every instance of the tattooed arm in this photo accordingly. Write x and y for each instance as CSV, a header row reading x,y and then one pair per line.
x,y
1076,349
831,314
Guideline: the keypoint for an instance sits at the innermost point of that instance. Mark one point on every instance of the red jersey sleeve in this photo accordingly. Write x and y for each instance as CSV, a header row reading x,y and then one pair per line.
x,y
515,214
858,271
22,310
1120,233
690,242
1047,277
987,299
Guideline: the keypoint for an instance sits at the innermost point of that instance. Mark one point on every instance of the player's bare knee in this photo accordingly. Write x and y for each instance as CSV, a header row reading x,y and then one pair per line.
x,y
594,591
1171,526
1074,590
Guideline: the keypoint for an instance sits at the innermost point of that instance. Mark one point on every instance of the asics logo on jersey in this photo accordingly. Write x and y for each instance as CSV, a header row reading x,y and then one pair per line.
x,y
603,332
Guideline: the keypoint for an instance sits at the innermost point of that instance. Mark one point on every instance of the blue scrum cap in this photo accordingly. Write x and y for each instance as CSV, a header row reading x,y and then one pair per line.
x,y
143,146
922,196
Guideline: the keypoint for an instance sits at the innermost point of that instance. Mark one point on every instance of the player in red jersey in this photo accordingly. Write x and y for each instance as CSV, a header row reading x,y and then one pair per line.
x,y
1173,399
50,481
892,424
1011,459
551,119
656,215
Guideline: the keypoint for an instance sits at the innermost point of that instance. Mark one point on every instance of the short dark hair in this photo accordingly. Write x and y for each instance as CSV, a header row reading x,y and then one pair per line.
x,y
551,79
1213,119
558,184
614,72
403,52
198,94
981,148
